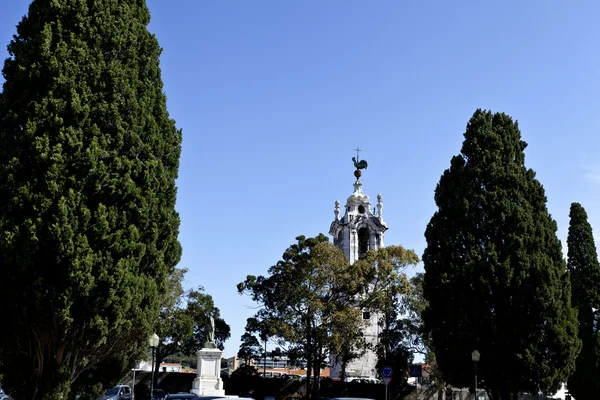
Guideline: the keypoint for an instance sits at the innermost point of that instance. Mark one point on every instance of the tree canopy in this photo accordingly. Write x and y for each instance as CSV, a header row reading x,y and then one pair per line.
x,y
88,163
585,281
308,299
313,299
183,321
495,277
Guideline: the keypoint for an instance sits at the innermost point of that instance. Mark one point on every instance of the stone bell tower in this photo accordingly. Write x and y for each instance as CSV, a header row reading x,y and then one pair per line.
x,y
358,230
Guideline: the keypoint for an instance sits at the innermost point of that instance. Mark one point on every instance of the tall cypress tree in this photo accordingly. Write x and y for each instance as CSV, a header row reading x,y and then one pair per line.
x,y
585,282
88,227
495,278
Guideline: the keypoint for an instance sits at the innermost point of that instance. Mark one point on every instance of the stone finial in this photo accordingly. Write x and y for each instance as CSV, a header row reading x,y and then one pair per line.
x,y
379,206
337,210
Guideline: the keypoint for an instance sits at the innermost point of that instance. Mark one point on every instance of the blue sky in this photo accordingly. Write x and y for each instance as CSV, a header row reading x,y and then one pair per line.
x,y
274,96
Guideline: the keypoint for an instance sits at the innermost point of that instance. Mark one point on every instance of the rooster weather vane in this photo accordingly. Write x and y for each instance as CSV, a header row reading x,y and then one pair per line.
x,y
358,164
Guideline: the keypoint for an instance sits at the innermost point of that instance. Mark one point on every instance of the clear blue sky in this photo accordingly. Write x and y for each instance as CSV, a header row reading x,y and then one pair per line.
x,y
273,97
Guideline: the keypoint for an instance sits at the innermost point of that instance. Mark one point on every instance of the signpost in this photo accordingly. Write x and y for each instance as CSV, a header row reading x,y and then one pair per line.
x,y
386,373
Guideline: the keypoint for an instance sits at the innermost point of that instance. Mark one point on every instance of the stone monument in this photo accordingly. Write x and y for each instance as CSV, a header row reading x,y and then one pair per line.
x,y
208,376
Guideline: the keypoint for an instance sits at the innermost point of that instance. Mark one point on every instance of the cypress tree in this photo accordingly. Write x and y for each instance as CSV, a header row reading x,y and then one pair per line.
x,y
88,227
495,278
585,281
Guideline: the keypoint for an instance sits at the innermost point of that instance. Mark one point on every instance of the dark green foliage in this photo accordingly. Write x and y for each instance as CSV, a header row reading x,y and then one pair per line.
x,y
308,301
495,278
585,282
88,227
243,379
250,349
182,329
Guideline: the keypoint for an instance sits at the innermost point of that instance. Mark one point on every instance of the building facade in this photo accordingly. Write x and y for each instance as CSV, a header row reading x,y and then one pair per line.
x,y
358,230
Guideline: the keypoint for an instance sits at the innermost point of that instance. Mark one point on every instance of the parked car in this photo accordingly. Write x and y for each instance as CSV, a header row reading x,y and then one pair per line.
x,y
190,396
119,392
158,394
3,396
182,396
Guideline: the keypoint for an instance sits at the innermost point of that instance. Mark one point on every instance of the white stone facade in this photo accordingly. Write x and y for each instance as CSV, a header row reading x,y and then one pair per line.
x,y
357,231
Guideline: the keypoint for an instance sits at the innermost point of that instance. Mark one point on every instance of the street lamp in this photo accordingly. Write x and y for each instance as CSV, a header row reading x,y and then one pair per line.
x,y
475,357
153,344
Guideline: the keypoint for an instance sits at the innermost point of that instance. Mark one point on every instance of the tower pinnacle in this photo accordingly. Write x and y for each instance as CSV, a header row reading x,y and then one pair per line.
x,y
362,164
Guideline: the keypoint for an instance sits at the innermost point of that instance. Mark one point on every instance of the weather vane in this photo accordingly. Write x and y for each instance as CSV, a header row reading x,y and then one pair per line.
x,y
362,164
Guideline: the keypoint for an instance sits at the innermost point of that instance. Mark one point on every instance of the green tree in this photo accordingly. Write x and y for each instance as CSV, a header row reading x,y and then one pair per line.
x,y
313,299
88,163
585,282
308,300
250,350
182,324
386,295
495,277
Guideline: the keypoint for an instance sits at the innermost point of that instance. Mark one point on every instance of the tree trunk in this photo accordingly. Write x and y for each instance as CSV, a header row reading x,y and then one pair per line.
x,y
308,375
316,375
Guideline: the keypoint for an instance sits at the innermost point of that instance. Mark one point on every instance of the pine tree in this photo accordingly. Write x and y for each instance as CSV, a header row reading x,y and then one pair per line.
x,y
585,282
88,227
495,278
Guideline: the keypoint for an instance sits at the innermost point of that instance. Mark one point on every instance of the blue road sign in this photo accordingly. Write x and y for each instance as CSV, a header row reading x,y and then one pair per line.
x,y
386,372
416,371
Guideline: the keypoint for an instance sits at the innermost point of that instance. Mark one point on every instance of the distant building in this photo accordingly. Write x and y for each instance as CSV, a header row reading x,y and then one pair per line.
x,y
234,363
164,367
274,366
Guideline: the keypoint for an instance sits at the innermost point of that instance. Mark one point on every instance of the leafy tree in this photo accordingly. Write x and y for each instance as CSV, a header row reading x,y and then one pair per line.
x,y
182,330
250,350
88,163
385,295
308,300
585,281
495,278
313,299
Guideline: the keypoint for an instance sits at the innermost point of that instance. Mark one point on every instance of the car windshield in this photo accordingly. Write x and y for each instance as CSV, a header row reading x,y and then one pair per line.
x,y
112,392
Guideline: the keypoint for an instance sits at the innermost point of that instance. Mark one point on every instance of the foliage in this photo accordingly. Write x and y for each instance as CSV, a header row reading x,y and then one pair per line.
x,y
495,277
250,349
385,295
187,361
243,379
88,163
585,281
183,321
312,301
308,299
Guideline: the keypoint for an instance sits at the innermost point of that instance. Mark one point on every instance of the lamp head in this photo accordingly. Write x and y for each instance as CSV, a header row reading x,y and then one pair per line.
x,y
154,340
475,356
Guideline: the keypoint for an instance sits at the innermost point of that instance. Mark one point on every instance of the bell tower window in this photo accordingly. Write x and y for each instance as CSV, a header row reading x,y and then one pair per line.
x,y
363,241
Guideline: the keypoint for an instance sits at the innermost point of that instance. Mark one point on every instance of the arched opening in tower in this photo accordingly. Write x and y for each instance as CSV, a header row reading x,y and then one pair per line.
x,y
363,241
339,242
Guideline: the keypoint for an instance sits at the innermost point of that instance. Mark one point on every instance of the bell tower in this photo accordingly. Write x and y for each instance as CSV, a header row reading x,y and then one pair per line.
x,y
359,229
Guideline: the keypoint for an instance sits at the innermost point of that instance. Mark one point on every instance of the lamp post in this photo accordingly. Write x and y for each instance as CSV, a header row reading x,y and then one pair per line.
x,y
475,357
133,384
153,345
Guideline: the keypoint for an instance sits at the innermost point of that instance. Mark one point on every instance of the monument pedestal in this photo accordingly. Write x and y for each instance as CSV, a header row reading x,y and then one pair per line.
x,y
208,377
